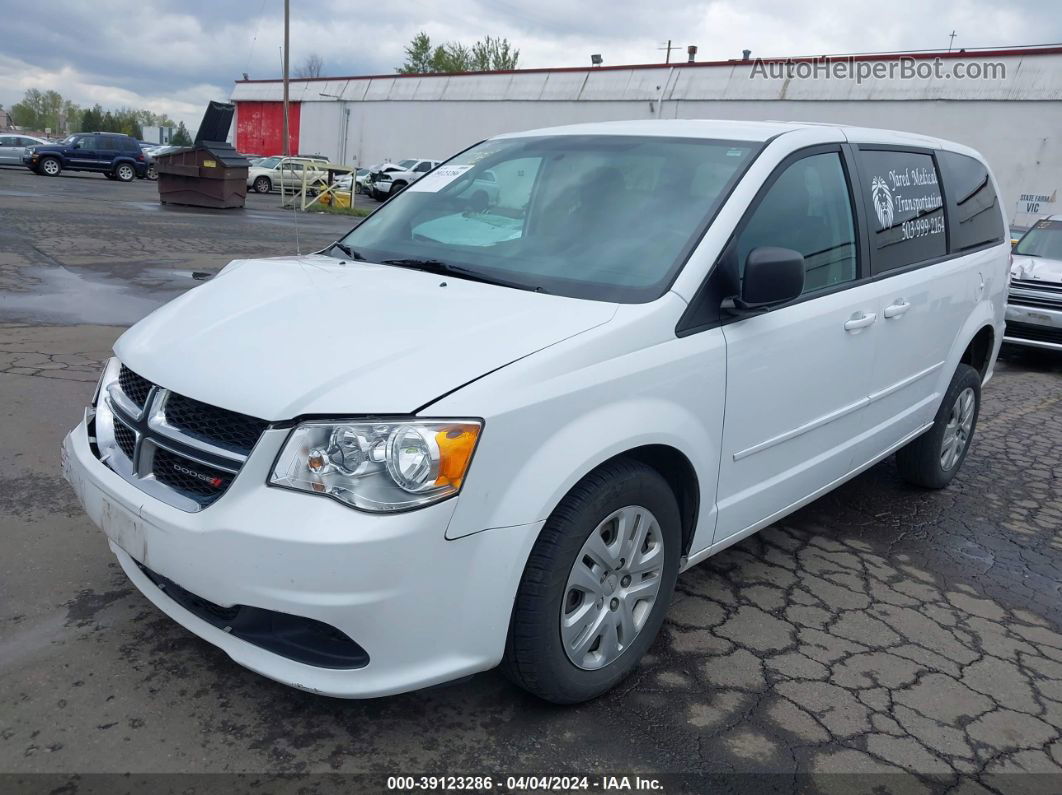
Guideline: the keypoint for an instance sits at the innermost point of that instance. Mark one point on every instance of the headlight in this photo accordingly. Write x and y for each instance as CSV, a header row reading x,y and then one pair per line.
x,y
379,466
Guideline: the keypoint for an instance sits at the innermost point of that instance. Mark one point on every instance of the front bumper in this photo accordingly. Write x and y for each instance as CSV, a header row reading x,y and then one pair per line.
x,y
1035,326
425,609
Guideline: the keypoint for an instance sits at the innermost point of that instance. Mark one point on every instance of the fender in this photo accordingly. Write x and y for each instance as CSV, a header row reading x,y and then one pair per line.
x,y
988,311
567,399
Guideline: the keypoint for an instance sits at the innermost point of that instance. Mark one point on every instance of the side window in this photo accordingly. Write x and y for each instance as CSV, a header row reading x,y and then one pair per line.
x,y
973,207
86,142
422,167
807,209
6,140
904,209
108,143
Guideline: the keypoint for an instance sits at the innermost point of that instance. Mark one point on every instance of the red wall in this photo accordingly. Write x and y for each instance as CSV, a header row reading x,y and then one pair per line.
x,y
260,127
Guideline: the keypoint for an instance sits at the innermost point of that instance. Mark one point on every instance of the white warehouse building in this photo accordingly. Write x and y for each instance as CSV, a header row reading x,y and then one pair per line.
x,y
1006,104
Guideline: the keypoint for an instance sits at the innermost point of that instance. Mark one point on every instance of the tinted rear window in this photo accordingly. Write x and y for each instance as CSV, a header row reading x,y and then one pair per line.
x,y
973,207
901,192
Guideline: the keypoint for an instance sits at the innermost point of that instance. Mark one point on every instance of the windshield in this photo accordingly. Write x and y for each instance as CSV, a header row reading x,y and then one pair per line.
x,y
1043,240
405,164
268,162
605,217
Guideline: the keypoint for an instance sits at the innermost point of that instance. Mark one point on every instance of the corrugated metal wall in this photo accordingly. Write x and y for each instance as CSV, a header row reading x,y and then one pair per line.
x,y
1016,122
260,127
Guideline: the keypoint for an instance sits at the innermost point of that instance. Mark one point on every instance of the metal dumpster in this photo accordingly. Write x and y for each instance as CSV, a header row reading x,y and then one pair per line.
x,y
210,173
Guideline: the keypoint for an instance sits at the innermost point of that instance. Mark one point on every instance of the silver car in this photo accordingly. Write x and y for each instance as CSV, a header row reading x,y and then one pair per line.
x,y
14,146
1034,306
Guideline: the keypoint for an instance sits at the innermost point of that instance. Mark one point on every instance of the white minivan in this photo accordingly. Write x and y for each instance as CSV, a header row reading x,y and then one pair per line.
x,y
474,434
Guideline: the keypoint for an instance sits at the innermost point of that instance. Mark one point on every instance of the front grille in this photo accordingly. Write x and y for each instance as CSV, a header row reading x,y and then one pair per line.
x,y
1033,332
1035,302
216,425
189,476
183,451
136,387
1034,284
126,438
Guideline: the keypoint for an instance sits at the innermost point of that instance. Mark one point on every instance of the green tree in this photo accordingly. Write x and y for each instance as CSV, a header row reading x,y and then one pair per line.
x,y
491,54
29,113
450,58
487,54
418,56
181,137
92,119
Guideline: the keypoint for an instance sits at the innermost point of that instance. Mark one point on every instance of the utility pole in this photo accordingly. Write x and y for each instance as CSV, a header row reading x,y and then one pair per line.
x,y
287,9
669,48
951,40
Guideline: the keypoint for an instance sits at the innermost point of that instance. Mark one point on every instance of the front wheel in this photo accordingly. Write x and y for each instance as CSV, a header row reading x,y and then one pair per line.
x,y
152,173
262,185
596,586
934,458
50,167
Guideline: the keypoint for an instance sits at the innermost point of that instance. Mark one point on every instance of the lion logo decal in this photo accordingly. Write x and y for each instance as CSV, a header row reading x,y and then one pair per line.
x,y
882,197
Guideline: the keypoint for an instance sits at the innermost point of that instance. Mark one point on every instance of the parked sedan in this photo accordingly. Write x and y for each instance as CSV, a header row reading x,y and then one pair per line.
x,y
273,172
14,147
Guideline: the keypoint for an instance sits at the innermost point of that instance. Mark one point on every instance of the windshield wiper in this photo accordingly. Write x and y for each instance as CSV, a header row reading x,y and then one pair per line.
x,y
347,250
429,265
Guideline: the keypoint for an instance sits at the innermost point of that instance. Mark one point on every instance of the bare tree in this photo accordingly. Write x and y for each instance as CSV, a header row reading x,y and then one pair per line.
x,y
311,66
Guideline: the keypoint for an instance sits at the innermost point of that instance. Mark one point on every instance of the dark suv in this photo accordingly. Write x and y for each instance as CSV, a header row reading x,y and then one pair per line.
x,y
117,156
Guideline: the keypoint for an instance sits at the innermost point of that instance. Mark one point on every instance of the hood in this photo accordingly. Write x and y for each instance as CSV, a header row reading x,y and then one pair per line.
x,y
278,338
1036,269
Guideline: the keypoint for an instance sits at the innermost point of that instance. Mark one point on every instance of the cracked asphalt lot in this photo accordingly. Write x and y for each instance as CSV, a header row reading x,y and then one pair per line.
x,y
882,629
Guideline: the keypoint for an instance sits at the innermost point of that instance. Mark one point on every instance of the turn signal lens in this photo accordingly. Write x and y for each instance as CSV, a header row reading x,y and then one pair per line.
x,y
455,453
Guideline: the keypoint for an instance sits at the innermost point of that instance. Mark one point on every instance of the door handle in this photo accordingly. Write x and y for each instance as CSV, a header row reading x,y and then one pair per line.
x,y
897,310
860,320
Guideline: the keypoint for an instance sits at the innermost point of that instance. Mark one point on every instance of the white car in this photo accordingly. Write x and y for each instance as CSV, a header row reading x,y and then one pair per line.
x,y
14,146
389,181
271,173
1034,306
455,439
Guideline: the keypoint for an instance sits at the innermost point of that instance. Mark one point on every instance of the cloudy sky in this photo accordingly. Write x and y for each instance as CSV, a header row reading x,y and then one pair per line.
x,y
173,55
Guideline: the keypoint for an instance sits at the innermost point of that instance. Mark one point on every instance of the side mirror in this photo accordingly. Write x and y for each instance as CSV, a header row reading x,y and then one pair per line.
x,y
773,276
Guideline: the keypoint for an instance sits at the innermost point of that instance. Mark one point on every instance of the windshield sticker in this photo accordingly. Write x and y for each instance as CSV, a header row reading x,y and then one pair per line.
x,y
438,179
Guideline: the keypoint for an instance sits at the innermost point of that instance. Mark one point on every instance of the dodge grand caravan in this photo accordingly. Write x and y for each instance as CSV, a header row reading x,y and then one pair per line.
x,y
464,436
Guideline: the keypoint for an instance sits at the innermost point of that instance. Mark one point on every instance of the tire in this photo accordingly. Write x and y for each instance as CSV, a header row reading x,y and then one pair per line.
x,y
152,173
124,172
263,185
357,188
397,188
926,461
537,657
50,167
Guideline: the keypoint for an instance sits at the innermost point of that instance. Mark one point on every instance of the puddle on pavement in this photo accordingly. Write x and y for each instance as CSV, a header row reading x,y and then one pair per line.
x,y
62,296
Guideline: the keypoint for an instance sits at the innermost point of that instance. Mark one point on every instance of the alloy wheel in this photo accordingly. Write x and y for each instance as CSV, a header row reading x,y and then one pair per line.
x,y
957,431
